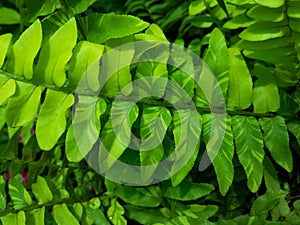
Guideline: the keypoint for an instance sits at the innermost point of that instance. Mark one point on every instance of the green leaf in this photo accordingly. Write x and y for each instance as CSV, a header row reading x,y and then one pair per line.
x,y
294,128
222,161
265,45
217,59
249,147
18,193
270,175
265,92
240,83
101,27
196,211
119,58
145,197
22,107
79,6
8,88
63,216
4,43
187,130
145,215
14,219
266,202
41,191
270,4
85,130
96,215
2,193
196,7
51,122
40,8
25,50
187,191
85,56
277,141
262,13
154,124
238,21
54,56
36,216
116,137
261,31
115,213
280,56
9,16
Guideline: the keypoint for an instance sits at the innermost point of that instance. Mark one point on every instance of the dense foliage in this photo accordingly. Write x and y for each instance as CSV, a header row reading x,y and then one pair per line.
x,y
253,48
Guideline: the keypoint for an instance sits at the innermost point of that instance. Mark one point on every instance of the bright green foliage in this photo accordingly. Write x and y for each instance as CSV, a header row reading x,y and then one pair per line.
x,y
249,148
186,131
25,50
42,191
63,216
265,92
23,105
53,56
240,83
8,87
9,16
18,193
223,160
49,129
115,213
99,26
251,46
14,218
4,43
277,141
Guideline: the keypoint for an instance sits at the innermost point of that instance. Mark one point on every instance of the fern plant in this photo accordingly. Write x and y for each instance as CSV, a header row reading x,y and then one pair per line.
x,y
42,65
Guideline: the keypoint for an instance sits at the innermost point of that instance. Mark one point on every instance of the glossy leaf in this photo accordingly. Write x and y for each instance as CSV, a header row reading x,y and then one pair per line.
x,y
277,141
186,131
271,4
240,82
116,138
18,193
102,27
36,216
222,161
115,213
41,190
85,55
266,202
144,196
9,16
262,13
63,216
53,56
265,92
187,191
261,31
217,59
85,129
8,88
51,122
249,147
294,128
154,124
14,218
4,43
22,107
25,50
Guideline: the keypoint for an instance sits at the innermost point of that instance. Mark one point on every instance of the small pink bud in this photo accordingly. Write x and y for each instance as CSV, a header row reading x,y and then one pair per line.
x,y
24,176
8,176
